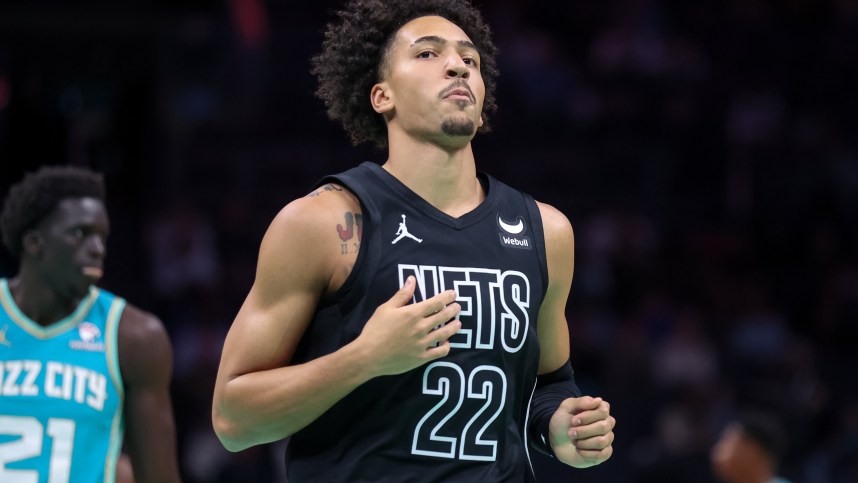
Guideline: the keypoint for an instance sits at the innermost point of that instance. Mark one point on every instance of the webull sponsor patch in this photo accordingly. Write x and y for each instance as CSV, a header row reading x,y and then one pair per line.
x,y
521,242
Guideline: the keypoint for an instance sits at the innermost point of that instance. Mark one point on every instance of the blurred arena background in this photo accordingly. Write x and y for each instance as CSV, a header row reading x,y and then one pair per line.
x,y
706,153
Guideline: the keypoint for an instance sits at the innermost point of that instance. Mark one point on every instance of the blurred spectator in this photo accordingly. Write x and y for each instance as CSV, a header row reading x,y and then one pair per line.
x,y
750,449
182,250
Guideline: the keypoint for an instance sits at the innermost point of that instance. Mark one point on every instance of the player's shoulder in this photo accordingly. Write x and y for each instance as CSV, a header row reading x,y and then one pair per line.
x,y
138,326
329,196
145,352
306,234
315,211
559,246
555,224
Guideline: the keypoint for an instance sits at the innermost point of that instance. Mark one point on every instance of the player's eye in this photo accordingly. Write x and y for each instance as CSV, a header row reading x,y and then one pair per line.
x,y
426,54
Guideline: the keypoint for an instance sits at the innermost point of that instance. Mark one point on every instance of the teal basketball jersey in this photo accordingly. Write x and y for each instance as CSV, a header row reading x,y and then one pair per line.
x,y
60,393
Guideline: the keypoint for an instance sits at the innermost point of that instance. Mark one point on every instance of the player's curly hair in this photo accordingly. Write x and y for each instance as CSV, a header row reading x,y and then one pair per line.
x,y
30,200
353,57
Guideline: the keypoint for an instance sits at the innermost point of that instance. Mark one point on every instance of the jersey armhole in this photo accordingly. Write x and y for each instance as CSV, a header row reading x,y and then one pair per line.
x,y
117,426
539,239
355,284
114,315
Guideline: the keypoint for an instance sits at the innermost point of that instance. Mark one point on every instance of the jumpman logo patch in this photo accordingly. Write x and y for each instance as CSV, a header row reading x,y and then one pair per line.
x,y
402,232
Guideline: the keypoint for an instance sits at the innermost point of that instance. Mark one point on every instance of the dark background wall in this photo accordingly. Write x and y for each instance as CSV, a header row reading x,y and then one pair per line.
x,y
705,152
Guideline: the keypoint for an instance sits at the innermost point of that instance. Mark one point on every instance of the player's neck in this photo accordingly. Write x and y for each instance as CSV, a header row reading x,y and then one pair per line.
x,y
38,301
444,178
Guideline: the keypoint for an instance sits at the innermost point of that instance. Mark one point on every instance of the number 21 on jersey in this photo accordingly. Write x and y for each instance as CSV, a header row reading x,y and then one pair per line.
x,y
30,433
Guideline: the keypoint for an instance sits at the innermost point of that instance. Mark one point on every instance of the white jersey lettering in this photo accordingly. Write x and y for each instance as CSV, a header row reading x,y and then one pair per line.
x,y
62,381
489,298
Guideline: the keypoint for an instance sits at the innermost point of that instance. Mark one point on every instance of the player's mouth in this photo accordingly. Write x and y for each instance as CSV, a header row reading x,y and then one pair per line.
x,y
458,90
92,271
459,95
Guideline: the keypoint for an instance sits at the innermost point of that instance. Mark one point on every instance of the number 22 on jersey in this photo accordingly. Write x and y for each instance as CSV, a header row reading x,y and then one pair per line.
x,y
447,381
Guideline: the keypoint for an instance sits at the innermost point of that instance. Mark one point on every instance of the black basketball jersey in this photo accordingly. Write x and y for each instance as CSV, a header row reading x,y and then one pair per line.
x,y
461,418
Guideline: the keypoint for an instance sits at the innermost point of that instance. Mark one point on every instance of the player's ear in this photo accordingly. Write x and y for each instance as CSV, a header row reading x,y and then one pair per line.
x,y
480,124
32,243
381,98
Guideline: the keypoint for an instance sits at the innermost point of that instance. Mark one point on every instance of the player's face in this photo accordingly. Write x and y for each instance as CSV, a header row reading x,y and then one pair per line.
x,y
433,80
73,245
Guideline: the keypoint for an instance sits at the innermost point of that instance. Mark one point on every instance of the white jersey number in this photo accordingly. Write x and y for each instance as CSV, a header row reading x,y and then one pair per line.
x,y
29,444
433,436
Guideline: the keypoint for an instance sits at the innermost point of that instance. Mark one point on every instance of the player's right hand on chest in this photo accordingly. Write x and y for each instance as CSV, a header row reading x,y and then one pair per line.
x,y
401,336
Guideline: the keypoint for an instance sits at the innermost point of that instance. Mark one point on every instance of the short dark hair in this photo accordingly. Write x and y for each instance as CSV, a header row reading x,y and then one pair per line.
x,y
354,50
30,200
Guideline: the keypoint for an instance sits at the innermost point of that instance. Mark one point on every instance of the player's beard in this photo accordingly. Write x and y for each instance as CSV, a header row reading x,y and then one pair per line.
x,y
458,127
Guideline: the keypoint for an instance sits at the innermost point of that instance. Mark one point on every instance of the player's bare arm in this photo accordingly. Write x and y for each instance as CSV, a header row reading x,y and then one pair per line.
x,y
582,428
259,397
146,362
560,252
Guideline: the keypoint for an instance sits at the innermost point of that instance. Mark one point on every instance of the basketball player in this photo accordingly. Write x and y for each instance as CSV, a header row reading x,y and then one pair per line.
x,y
77,364
401,313
750,449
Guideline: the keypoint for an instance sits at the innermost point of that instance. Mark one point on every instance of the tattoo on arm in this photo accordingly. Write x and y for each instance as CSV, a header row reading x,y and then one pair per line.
x,y
323,188
351,233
